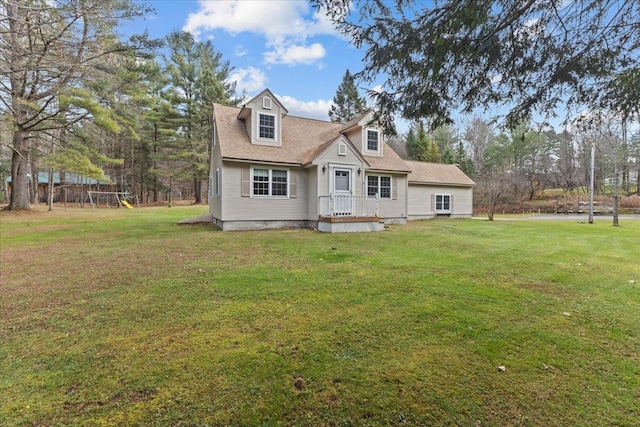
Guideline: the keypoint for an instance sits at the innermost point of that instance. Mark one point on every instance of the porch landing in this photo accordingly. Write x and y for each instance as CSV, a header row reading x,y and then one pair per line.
x,y
349,224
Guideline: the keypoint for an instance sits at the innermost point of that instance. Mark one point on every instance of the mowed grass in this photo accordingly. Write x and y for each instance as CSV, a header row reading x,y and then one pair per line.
x,y
118,317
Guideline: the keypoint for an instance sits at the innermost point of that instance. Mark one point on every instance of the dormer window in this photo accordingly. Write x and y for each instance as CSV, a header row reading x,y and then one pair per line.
x,y
267,126
373,140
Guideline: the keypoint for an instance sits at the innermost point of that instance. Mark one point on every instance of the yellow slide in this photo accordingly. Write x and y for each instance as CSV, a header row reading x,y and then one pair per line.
x,y
126,204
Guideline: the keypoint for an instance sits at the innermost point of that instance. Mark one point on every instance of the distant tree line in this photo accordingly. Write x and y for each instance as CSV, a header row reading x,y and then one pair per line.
x,y
434,60
513,165
76,97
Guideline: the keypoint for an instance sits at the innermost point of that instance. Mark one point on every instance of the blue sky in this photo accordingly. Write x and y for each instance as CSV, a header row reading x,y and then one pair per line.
x,y
283,45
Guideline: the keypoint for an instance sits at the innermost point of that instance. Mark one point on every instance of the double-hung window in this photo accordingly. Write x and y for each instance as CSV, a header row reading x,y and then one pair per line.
x,y
443,202
267,126
373,140
380,185
270,182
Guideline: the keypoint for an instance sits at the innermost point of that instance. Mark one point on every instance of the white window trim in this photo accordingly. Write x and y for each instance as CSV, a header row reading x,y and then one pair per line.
x,y
366,141
275,128
366,184
333,167
217,183
435,202
269,196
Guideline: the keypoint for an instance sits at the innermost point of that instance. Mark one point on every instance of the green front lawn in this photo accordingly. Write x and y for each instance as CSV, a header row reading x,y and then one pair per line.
x,y
120,317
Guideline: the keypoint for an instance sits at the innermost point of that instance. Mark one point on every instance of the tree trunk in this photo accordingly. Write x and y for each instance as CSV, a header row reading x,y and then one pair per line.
x,y
33,180
19,172
50,189
197,186
494,197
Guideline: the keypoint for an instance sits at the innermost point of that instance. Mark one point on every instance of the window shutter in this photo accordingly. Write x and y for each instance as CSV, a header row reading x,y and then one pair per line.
x,y
293,185
433,202
394,188
246,182
451,203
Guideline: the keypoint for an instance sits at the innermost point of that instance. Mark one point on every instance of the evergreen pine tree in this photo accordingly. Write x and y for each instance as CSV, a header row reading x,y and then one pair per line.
x,y
427,148
347,103
414,149
197,78
432,154
462,159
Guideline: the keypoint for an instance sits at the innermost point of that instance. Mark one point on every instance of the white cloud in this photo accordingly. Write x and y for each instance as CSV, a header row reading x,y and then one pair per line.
x,y
285,24
239,50
248,79
267,17
311,109
294,54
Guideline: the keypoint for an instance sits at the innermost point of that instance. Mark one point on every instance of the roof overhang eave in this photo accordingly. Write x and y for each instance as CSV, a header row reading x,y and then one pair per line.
x,y
268,162
443,184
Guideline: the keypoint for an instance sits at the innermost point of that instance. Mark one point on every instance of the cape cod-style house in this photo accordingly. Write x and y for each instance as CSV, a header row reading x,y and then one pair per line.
x,y
272,170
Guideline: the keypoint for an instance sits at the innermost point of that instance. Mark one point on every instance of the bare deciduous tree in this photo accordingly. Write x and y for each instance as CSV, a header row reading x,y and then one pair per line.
x,y
54,56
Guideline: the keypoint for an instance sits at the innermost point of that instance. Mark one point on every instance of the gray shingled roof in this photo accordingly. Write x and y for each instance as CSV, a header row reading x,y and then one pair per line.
x,y
437,173
299,136
302,140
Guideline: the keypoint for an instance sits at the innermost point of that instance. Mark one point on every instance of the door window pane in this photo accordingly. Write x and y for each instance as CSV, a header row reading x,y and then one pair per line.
x,y
342,181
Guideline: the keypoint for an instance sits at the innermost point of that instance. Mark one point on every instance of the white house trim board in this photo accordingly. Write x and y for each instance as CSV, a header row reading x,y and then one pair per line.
x,y
333,168
342,183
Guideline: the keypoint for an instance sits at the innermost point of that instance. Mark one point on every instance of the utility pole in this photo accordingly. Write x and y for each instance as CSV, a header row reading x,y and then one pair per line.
x,y
616,196
591,186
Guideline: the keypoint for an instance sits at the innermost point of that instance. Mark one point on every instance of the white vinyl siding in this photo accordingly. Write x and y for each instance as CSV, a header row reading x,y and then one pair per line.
x,y
240,205
422,201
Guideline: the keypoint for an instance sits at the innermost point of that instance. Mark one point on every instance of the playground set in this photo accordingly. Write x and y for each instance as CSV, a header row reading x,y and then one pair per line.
x,y
109,199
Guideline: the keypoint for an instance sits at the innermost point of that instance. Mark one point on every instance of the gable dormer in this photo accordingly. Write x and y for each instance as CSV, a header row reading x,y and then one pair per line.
x,y
367,136
262,116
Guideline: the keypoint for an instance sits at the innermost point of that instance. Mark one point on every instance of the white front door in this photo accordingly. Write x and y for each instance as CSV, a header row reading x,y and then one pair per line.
x,y
342,192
